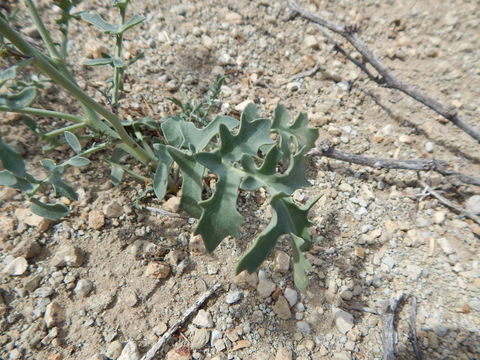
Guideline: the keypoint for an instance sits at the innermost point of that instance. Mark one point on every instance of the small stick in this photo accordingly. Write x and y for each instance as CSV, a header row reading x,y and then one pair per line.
x,y
412,336
303,74
164,212
389,332
449,203
327,150
385,77
194,308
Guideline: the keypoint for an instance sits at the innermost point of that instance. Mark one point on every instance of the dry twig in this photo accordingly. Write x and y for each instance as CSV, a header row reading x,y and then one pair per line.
x,y
389,337
327,150
412,336
165,337
449,203
385,78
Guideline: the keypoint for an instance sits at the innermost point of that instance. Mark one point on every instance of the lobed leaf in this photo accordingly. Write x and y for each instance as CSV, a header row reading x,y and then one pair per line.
x,y
49,211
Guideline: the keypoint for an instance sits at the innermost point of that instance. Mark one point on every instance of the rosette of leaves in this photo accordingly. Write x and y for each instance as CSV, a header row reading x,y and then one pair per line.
x,y
242,155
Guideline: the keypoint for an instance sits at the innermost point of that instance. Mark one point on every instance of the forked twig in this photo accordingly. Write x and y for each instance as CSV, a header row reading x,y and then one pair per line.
x,y
412,336
385,78
165,337
449,203
327,150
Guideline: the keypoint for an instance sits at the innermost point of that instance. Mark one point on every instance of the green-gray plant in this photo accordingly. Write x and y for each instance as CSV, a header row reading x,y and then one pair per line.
x,y
247,154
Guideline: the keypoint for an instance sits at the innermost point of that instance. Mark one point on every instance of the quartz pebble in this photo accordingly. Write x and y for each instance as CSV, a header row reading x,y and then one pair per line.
x,y
200,338
67,255
27,248
130,352
113,209
157,269
203,319
281,262
54,314
233,297
343,320
246,280
265,288
291,295
16,267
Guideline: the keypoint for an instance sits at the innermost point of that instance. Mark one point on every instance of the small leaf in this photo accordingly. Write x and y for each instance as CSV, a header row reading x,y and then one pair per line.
x,y
72,140
7,178
99,62
7,74
11,160
160,178
300,264
116,171
78,161
49,211
19,100
96,20
133,21
61,187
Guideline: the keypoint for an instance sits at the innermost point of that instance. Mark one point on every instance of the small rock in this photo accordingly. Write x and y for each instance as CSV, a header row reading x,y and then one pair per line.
x,y
344,355
94,49
113,209
96,219
343,320
246,280
32,31
8,193
29,218
196,245
304,327
54,314
7,225
281,262
114,349
293,86
429,147
225,59
346,295
359,251
67,255
472,204
233,18
157,269
283,353
282,309
310,41
241,344
265,288
16,267
219,345
130,297
405,139
172,204
179,353
446,245
240,107
203,319
130,352
43,292
83,287
32,283
27,248
291,295
200,338
233,297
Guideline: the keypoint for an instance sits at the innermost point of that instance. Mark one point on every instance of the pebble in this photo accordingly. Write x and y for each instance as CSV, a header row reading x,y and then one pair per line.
x,y
200,338
281,262
446,245
29,218
96,219
346,295
472,204
113,209
439,217
233,297
130,297
233,18
304,327
429,147
291,295
43,292
7,225
283,353
179,353
114,349
27,248
196,245
343,320
172,204
67,255
282,309
54,314
16,267
265,288
203,319
157,269
344,355
310,41
246,280
130,352
83,287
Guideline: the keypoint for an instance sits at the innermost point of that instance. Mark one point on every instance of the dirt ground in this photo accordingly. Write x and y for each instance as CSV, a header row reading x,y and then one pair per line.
x,y
90,290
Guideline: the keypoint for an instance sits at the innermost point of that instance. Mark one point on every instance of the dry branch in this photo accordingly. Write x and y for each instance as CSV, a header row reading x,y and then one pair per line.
x,y
412,336
449,203
327,150
385,78
389,337
165,337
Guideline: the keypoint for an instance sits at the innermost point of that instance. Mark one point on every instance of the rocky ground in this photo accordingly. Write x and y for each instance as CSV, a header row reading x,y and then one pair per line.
x,y
109,280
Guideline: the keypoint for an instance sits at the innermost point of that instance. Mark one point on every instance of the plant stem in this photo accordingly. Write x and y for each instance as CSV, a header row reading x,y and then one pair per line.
x,y
44,65
45,113
52,49
71,128
118,70
95,149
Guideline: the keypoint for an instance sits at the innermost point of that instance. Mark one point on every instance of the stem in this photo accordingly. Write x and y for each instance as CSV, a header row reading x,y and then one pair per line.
x,y
45,113
44,65
95,149
71,128
118,71
52,49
